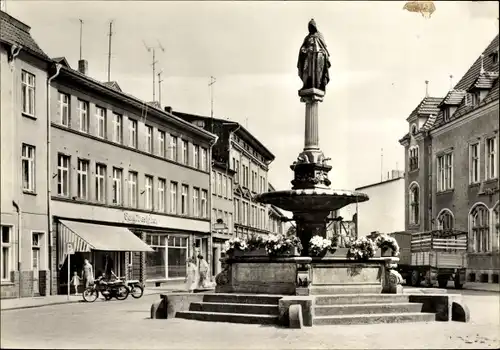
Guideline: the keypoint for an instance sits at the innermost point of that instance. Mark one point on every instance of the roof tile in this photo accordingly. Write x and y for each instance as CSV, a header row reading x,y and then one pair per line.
x,y
485,80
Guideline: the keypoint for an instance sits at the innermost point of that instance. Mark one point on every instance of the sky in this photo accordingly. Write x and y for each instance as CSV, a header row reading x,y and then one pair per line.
x,y
380,54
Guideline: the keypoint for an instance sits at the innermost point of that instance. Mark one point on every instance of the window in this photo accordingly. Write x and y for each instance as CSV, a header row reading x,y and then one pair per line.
x,y
213,183
491,158
413,158
230,223
177,255
100,114
214,215
162,183
117,128
414,204
173,148
480,229
148,189
173,197
149,139
63,102
6,258
474,163
161,143
229,188
254,185
237,169
496,222
224,185
196,156
28,168
219,184
83,178
156,263
236,211
445,220
100,183
184,159
204,204
132,189
494,57
445,172
63,175
184,200
446,114
204,155
83,115
28,92
117,186
472,99
196,202
132,133
262,185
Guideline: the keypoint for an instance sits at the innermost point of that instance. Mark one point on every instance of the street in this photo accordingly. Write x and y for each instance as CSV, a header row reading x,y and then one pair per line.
x,y
126,325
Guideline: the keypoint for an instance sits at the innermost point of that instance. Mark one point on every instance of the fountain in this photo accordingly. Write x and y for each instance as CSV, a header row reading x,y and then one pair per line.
x,y
305,289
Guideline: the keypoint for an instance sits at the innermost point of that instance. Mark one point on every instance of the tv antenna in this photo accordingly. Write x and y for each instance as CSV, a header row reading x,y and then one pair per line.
x,y
211,85
152,49
159,86
81,37
109,49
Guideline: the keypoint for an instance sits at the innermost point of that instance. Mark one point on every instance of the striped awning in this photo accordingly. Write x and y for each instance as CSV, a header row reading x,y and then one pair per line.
x,y
85,237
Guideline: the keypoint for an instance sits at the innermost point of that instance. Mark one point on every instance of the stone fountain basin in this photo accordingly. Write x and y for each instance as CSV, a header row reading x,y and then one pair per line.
x,y
311,199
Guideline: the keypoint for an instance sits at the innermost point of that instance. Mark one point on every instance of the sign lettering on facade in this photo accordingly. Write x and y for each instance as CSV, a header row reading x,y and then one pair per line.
x,y
139,218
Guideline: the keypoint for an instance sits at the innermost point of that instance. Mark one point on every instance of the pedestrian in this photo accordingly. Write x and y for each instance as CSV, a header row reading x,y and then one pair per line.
x,y
203,268
88,273
190,280
75,282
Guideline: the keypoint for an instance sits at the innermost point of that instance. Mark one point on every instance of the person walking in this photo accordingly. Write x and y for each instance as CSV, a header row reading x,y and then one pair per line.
x,y
203,268
88,273
190,280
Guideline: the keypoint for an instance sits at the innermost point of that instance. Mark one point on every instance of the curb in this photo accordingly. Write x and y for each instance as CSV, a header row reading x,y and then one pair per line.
x,y
63,302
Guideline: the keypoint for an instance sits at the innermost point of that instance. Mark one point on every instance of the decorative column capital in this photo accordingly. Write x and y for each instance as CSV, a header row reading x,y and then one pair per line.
x,y
311,95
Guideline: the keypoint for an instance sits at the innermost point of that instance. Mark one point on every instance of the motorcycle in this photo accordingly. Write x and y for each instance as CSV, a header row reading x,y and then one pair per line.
x,y
108,289
135,287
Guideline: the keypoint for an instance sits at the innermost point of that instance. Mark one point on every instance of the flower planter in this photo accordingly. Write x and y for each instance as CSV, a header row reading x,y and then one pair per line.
x,y
385,252
250,253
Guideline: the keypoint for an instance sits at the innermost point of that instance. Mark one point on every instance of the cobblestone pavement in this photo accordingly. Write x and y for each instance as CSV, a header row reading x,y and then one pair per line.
x,y
126,325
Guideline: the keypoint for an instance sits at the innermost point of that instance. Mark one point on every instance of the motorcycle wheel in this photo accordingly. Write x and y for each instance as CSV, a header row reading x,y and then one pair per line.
x,y
108,296
90,294
122,293
136,292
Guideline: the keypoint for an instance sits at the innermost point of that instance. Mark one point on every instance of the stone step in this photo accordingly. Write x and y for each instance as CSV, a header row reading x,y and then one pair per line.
x,y
374,318
358,309
256,309
227,317
346,289
342,299
242,298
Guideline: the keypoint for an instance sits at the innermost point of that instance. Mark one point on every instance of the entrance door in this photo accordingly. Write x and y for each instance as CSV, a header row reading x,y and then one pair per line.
x,y
214,261
35,253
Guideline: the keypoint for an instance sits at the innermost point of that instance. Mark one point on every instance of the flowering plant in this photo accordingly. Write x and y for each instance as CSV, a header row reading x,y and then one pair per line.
x,y
256,242
362,249
385,241
319,245
279,244
235,244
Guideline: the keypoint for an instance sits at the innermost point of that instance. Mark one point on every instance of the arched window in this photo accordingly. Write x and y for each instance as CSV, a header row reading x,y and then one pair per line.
x,y
480,227
496,226
413,159
414,204
445,220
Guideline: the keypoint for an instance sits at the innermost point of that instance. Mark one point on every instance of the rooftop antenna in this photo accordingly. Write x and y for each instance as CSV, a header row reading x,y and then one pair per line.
x,y
109,49
482,64
154,62
451,82
381,164
81,37
159,86
427,88
211,84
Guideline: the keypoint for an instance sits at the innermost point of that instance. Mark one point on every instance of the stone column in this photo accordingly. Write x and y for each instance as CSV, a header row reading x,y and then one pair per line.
x,y
311,97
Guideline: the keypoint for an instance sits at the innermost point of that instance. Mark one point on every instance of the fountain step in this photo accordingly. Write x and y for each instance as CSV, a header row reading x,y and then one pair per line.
x,y
374,318
228,317
242,298
346,289
358,309
342,299
255,309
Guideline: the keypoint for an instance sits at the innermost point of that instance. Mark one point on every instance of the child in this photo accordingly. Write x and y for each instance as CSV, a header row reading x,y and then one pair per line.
x,y
75,282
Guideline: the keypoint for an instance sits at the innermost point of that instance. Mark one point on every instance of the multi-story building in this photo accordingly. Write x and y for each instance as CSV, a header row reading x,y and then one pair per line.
x,y
276,220
24,224
451,174
242,157
120,166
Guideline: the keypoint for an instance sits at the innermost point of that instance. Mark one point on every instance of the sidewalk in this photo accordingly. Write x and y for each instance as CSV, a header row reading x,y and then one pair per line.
x,y
26,303
486,287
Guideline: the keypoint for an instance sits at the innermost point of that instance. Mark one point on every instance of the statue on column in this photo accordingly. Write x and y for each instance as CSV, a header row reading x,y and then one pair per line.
x,y
314,60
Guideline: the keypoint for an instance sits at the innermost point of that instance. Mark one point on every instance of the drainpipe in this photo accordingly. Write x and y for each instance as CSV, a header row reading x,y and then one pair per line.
x,y
49,178
209,244
19,230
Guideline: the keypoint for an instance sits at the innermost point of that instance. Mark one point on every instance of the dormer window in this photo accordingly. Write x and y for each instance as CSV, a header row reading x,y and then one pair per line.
x,y
446,114
472,99
494,57
413,158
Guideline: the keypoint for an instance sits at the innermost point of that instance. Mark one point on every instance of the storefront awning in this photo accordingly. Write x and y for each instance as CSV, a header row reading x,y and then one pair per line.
x,y
85,237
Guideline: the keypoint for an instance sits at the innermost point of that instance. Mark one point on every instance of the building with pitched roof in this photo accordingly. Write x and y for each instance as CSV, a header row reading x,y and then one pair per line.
x,y
24,264
452,164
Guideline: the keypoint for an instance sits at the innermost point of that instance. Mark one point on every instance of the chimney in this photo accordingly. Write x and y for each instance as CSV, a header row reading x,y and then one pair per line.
x,y
168,109
83,66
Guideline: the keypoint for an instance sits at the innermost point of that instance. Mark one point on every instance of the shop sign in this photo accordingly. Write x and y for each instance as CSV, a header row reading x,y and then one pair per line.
x,y
136,218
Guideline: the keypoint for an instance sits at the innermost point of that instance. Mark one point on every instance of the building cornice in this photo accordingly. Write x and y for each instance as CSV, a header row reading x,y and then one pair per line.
x,y
474,114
